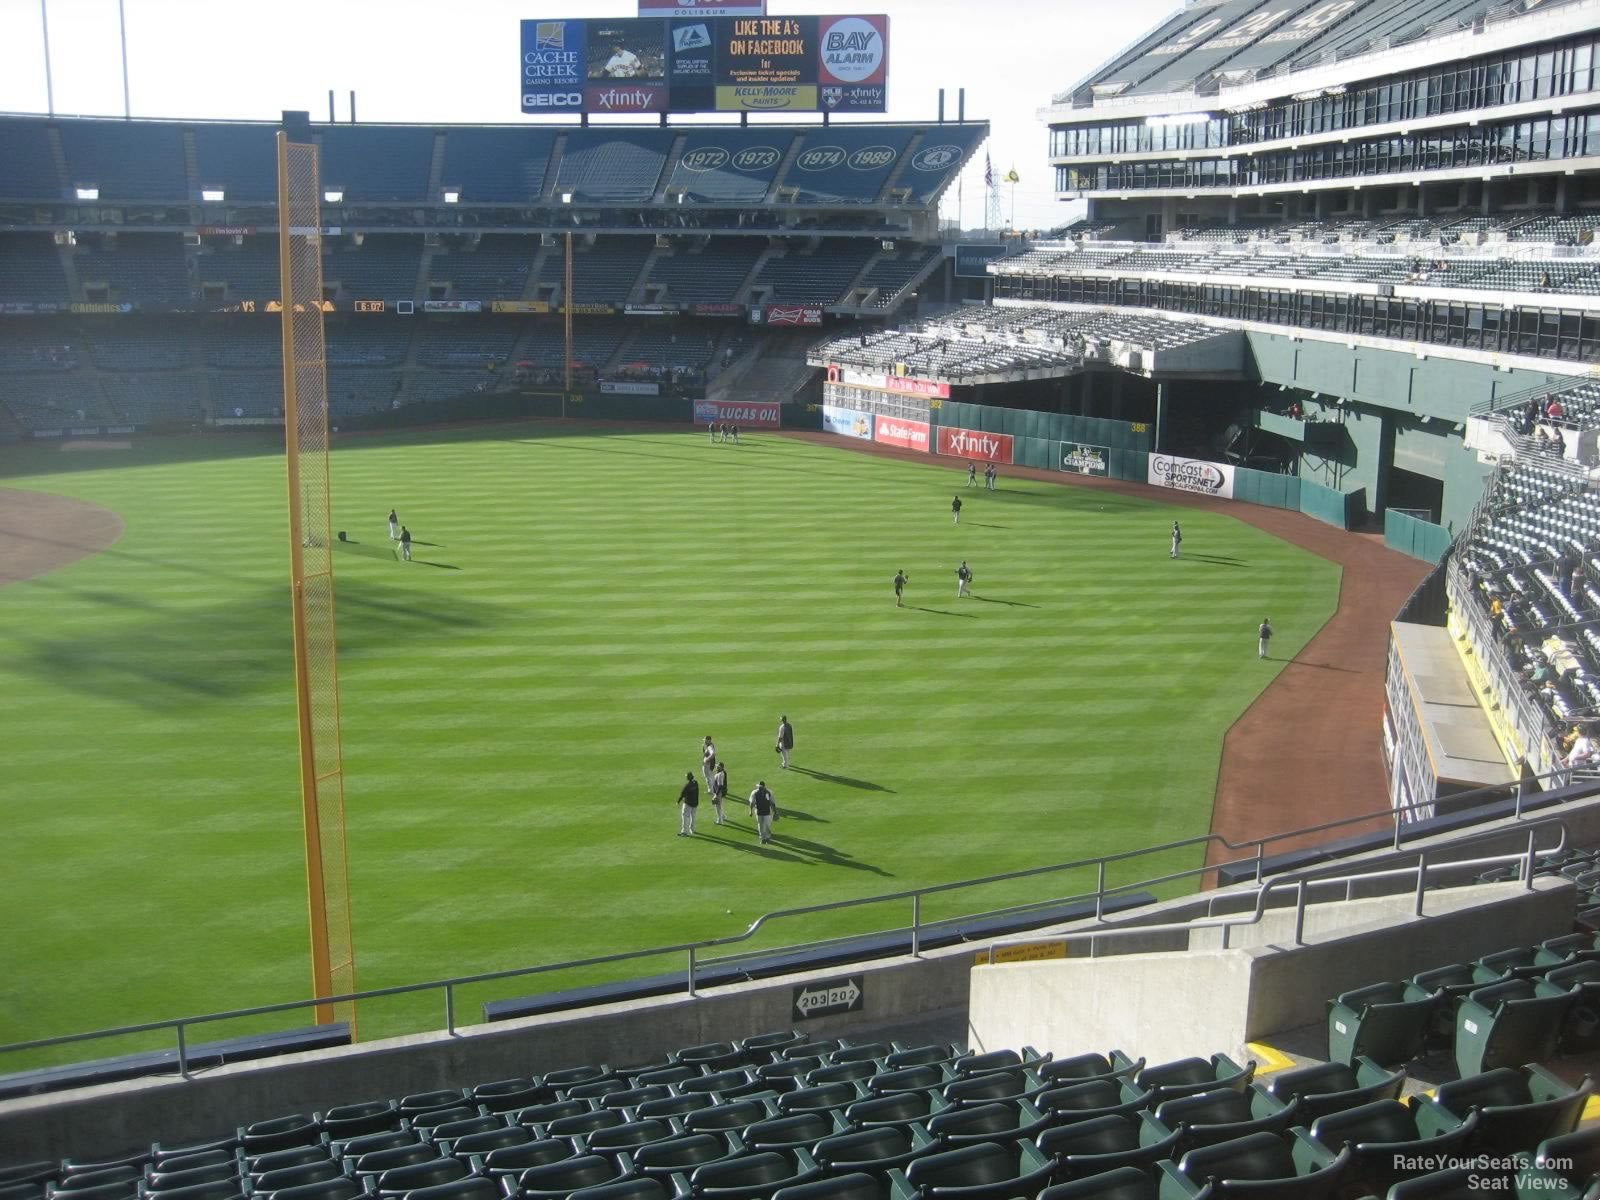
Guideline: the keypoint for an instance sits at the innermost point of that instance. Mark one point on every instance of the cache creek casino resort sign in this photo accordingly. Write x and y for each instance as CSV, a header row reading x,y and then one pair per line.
x,y
706,64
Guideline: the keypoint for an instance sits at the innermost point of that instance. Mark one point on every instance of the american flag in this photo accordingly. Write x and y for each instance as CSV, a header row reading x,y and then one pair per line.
x,y
988,171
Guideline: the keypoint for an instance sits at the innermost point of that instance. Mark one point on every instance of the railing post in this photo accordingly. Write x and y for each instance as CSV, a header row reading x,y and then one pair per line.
x,y
1527,867
1395,817
1261,854
1100,892
1422,881
691,971
916,925
449,1009
1300,913
183,1052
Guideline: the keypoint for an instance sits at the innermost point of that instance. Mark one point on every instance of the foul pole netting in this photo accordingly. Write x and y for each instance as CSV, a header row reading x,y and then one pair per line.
x,y
305,418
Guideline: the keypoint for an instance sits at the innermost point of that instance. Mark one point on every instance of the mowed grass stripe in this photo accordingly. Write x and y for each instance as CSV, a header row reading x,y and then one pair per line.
x,y
518,718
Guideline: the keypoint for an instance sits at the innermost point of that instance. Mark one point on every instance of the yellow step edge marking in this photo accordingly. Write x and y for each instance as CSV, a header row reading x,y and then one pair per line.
x,y
1591,1110
1267,1059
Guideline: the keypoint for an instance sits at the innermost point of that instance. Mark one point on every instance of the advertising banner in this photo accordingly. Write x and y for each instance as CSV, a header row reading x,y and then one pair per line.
x,y
1191,475
738,412
452,306
903,385
1085,460
627,387
592,310
224,230
649,310
702,8
792,314
851,422
972,259
895,431
705,57
969,443
520,306
716,310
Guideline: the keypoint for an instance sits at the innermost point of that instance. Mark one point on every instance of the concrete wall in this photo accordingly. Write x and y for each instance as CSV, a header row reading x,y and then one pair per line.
x,y
1146,1003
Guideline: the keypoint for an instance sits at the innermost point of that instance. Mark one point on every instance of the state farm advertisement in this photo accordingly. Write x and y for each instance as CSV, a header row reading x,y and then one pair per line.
x,y
738,412
969,443
894,431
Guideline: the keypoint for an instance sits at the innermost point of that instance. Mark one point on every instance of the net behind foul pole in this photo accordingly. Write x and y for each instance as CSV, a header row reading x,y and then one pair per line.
x,y
305,417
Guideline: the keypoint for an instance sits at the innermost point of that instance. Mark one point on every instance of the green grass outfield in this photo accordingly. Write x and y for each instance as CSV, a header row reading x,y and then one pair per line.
x,y
520,706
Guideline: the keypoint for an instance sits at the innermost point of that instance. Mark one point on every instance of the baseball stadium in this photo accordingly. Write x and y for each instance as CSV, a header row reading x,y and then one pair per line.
x,y
638,659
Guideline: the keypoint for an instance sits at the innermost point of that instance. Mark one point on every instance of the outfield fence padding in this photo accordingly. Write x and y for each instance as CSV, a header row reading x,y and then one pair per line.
x,y
1418,538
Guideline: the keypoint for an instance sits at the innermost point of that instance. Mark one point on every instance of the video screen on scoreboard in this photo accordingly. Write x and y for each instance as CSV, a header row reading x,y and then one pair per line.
x,y
706,64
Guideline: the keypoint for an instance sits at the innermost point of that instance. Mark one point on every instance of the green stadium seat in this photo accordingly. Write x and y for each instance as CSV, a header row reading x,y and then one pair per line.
x,y
1102,1144
584,1123
1580,981
668,1076
1381,1138
124,1189
595,1089
1569,948
718,1081
635,1096
875,1151
824,1096
674,1106
811,1048
1560,1168
449,1131
511,1160
752,1176
1517,1108
22,1191
572,1076
353,1120
789,1069
1080,1068
1386,1022
1454,1183
1257,1167
922,1056
1451,982
764,1047
862,1052
472,1188
1188,1076
1506,1023
314,1172
557,1180
713,1056
983,1171
543,1114
1092,1098
638,1188
276,1160
426,1102
897,1108
1518,962
909,1079
1124,1183
997,1121
844,1072
189,1161
855,1186
219,1189
509,1095
800,1130
995,1060
1216,1116
41,1171
354,1148
629,1136
375,1162
682,1154
733,1115
1010,1084
160,1181
82,1166
280,1133
1332,1087
434,1118
494,1139
343,1188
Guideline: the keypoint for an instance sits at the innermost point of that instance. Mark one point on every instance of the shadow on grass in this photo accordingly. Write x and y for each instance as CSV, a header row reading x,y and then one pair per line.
x,y
1007,603
1220,560
165,659
943,612
843,780
442,566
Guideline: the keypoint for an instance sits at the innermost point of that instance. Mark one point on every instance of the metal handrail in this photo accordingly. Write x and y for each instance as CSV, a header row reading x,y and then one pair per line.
x,y
181,1025
1303,881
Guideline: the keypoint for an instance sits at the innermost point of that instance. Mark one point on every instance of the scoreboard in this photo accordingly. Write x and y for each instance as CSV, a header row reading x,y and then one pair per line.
x,y
706,64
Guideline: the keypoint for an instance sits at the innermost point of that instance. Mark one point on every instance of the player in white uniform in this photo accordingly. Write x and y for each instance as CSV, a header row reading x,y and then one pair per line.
x,y
623,63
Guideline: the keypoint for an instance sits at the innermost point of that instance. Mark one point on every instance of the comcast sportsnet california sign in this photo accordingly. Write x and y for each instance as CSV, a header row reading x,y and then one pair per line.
x,y
1191,475
982,447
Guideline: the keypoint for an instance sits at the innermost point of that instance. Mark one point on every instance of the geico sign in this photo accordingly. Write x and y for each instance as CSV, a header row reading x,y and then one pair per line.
x,y
552,100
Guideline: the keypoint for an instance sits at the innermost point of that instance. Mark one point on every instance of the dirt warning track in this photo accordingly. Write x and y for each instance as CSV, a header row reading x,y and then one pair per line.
x,y
41,532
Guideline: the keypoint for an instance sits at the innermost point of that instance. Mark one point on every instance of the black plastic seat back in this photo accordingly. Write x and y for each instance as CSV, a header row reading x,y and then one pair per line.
x,y
560,1178
895,1108
787,1132
855,1186
1124,1183
734,1115
528,1154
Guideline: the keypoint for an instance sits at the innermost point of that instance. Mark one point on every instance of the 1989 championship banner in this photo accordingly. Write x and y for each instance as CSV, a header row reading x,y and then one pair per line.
x,y
706,64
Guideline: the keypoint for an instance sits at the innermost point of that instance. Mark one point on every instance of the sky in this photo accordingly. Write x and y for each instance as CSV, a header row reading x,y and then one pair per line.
x,y
438,61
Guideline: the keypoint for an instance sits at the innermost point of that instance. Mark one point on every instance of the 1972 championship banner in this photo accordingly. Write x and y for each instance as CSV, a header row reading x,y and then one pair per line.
x,y
705,63
738,412
1191,475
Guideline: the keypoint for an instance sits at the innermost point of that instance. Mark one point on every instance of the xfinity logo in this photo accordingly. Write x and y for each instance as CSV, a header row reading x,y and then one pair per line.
x,y
979,445
552,100
623,99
